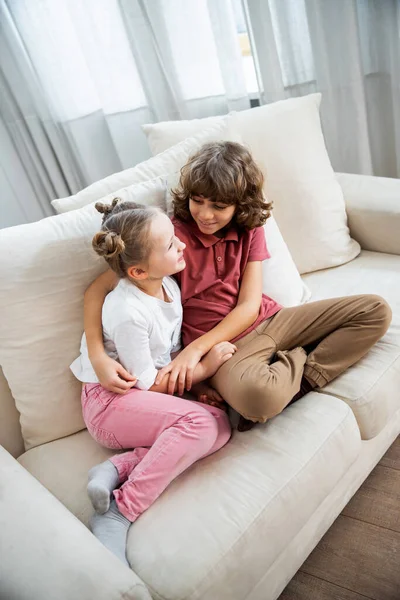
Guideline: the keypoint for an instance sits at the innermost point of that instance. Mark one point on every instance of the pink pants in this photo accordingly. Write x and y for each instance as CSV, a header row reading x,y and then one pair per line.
x,y
168,433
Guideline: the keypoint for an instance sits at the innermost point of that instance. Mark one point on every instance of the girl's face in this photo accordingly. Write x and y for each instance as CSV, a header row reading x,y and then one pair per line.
x,y
210,216
166,256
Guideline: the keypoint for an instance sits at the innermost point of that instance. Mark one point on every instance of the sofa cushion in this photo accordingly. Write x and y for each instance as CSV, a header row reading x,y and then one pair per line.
x,y
250,498
281,279
371,387
165,134
165,164
286,140
78,453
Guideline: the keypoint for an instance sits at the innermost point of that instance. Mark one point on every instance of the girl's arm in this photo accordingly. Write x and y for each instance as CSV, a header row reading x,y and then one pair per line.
x,y
205,369
111,374
132,344
238,320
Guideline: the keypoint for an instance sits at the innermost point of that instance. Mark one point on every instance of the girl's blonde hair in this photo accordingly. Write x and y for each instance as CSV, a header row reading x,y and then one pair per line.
x,y
124,237
226,173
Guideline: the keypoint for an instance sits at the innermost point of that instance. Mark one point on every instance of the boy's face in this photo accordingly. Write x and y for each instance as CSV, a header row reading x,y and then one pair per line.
x,y
210,216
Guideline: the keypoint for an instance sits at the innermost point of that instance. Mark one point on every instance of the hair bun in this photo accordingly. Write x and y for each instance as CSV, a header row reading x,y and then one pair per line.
x,y
106,209
108,244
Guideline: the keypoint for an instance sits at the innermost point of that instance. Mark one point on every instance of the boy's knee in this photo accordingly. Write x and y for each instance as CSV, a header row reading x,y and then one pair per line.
x,y
382,311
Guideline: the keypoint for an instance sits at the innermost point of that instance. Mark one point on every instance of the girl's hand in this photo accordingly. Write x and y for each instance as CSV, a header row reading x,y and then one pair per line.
x,y
181,370
112,375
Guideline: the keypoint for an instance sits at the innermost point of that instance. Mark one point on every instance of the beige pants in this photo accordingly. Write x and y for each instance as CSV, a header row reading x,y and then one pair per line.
x,y
319,340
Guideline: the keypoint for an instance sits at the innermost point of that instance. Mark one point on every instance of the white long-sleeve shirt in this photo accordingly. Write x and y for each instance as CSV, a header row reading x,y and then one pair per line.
x,y
139,331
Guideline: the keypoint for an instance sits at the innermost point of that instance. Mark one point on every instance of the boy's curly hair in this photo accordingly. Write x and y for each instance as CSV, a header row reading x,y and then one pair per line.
x,y
227,173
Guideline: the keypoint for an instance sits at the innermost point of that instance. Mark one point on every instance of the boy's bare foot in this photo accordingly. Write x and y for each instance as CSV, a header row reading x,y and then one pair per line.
x,y
245,424
208,395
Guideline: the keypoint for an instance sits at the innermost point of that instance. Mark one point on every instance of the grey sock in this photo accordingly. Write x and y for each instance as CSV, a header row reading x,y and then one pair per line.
x,y
103,479
111,530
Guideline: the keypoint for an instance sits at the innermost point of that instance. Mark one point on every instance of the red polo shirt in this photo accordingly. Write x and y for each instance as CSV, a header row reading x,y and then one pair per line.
x,y
210,282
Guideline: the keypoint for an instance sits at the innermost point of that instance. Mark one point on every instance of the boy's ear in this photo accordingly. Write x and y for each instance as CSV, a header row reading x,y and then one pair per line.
x,y
137,273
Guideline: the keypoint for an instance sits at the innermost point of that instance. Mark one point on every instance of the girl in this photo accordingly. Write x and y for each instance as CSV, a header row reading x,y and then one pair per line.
x,y
141,326
283,353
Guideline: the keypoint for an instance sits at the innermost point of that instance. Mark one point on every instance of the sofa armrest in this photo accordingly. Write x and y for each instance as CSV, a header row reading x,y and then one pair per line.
x,y
46,552
10,429
373,210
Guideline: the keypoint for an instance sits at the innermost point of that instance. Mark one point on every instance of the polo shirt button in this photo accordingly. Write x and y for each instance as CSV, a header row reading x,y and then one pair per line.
x,y
219,258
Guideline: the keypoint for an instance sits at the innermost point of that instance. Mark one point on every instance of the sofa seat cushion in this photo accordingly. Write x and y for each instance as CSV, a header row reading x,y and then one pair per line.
x,y
242,505
371,387
62,467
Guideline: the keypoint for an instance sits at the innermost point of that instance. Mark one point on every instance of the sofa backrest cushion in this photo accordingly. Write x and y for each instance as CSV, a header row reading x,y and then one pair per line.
x,y
163,135
163,164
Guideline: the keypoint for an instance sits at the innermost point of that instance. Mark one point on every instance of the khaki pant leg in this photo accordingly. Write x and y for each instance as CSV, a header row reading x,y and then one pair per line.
x,y
265,373
341,330
255,388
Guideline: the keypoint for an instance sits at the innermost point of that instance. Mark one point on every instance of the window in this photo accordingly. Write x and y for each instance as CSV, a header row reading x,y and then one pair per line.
x,y
249,69
291,39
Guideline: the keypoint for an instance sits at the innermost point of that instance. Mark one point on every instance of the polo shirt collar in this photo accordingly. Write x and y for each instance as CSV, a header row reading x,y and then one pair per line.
x,y
210,240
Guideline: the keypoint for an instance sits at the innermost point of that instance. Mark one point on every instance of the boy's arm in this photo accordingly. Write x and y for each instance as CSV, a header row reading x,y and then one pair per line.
x,y
111,374
204,369
238,320
242,316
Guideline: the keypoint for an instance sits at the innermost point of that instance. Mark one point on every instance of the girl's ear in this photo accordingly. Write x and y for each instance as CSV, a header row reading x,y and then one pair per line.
x,y
137,273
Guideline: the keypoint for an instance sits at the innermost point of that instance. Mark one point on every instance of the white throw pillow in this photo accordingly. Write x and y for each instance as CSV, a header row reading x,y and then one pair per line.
x,y
281,279
163,164
150,193
161,136
47,268
286,140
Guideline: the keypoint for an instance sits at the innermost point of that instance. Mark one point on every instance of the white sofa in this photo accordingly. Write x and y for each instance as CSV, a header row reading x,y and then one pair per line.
x,y
240,523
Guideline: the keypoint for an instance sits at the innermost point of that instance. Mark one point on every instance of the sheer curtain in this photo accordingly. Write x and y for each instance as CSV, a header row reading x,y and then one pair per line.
x,y
349,51
77,80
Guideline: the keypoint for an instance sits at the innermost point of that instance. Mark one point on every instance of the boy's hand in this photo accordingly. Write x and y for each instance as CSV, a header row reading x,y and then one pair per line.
x,y
217,356
112,375
181,370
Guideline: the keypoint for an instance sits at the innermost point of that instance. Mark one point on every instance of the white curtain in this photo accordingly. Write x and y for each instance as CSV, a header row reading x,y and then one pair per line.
x,y
77,80
349,51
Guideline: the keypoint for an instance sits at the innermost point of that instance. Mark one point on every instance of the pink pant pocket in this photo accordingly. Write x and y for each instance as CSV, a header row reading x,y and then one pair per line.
x,y
104,438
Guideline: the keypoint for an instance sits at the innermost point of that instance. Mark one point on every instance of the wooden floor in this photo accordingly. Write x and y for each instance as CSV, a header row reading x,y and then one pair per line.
x,y
359,557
